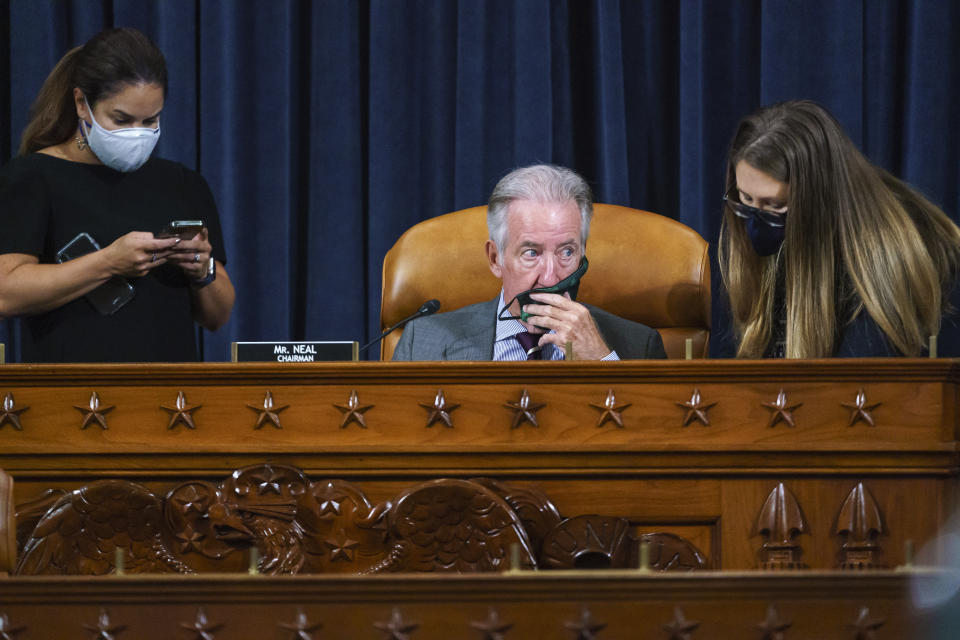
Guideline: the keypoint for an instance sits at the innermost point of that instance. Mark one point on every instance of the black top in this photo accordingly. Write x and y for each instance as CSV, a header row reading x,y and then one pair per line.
x,y
46,201
863,338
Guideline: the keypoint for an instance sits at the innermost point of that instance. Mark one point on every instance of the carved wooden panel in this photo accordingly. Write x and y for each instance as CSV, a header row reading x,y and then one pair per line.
x,y
296,525
738,400
544,604
860,525
670,552
780,521
704,483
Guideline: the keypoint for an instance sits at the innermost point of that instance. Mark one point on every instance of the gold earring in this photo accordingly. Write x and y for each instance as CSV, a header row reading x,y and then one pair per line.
x,y
81,143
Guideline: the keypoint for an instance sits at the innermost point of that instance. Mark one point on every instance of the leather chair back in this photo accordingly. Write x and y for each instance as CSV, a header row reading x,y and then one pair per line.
x,y
643,266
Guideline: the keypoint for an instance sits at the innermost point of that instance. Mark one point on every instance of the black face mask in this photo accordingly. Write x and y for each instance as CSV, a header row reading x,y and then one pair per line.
x,y
765,238
766,229
570,284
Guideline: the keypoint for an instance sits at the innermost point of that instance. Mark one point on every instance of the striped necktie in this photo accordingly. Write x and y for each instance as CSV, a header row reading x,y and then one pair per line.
x,y
529,342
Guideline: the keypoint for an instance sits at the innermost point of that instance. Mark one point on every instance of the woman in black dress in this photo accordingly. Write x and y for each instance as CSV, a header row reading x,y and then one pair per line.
x,y
85,174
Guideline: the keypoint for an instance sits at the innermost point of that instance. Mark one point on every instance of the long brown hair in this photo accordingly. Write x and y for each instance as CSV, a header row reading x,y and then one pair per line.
x,y
100,68
857,240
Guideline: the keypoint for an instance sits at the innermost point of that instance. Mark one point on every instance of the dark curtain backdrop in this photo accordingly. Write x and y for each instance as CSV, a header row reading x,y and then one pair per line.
x,y
327,128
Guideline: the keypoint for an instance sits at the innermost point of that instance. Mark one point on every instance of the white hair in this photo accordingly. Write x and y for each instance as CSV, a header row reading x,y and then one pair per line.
x,y
539,183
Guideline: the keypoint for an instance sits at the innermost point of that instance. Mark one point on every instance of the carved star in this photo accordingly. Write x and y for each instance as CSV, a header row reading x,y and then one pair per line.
x,y
302,628
696,409
331,506
609,411
93,412
493,628
9,631
524,410
773,627
267,481
104,629
680,628
268,412
181,412
439,411
860,410
866,626
202,629
189,542
397,629
782,412
586,628
342,549
353,411
10,413
189,500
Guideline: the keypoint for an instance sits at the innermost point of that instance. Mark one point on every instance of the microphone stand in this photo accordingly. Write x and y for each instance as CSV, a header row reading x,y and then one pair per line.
x,y
427,308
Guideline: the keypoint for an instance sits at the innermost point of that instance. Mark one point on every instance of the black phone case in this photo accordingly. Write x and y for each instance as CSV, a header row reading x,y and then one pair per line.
x,y
109,297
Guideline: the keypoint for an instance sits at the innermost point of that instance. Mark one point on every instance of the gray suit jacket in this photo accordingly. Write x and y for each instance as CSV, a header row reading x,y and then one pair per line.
x,y
469,333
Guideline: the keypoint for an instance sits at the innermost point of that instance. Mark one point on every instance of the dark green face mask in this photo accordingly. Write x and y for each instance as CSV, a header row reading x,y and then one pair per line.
x,y
570,285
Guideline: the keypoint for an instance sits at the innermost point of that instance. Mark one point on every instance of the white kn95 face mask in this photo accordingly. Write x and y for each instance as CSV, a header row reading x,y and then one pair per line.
x,y
121,149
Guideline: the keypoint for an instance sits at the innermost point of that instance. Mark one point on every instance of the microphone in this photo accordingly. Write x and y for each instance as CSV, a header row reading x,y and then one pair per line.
x,y
427,308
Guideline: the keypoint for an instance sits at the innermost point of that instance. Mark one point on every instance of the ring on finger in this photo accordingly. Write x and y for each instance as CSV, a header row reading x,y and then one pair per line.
x,y
196,257
153,258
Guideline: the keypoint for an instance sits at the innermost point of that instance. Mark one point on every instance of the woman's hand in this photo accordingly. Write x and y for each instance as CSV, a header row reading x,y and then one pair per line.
x,y
136,253
192,255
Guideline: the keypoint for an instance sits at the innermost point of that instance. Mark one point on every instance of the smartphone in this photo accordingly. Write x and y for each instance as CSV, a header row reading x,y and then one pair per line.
x,y
183,229
109,297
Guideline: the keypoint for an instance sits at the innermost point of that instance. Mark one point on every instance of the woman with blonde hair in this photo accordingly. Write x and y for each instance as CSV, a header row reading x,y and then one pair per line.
x,y
822,253
88,254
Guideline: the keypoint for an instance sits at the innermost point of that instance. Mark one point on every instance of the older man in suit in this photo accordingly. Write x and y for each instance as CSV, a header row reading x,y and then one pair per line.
x,y
539,219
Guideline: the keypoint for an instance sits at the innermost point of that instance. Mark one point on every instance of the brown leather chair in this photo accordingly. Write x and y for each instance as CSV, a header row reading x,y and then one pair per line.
x,y
643,267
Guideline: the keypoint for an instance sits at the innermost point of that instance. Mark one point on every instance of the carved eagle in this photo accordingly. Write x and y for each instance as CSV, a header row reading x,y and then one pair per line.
x,y
295,525
82,531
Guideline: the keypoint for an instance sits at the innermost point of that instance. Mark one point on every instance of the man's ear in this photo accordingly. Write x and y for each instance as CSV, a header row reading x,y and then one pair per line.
x,y
81,104
493,259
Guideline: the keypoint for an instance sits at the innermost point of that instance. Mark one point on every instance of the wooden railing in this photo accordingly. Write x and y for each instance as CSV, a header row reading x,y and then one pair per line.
x,y
828,466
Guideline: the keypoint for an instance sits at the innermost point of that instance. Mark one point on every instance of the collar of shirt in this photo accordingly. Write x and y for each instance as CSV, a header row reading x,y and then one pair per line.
x,y
506,347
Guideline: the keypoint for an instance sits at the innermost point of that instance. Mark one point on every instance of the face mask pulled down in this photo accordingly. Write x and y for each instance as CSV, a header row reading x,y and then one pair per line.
x,y
121,149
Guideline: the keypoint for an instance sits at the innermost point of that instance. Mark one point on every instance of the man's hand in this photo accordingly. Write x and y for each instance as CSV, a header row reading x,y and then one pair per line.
x,y
571,322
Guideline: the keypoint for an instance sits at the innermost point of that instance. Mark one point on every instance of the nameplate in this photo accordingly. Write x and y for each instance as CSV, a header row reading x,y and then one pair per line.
x,y
343,351
3,353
